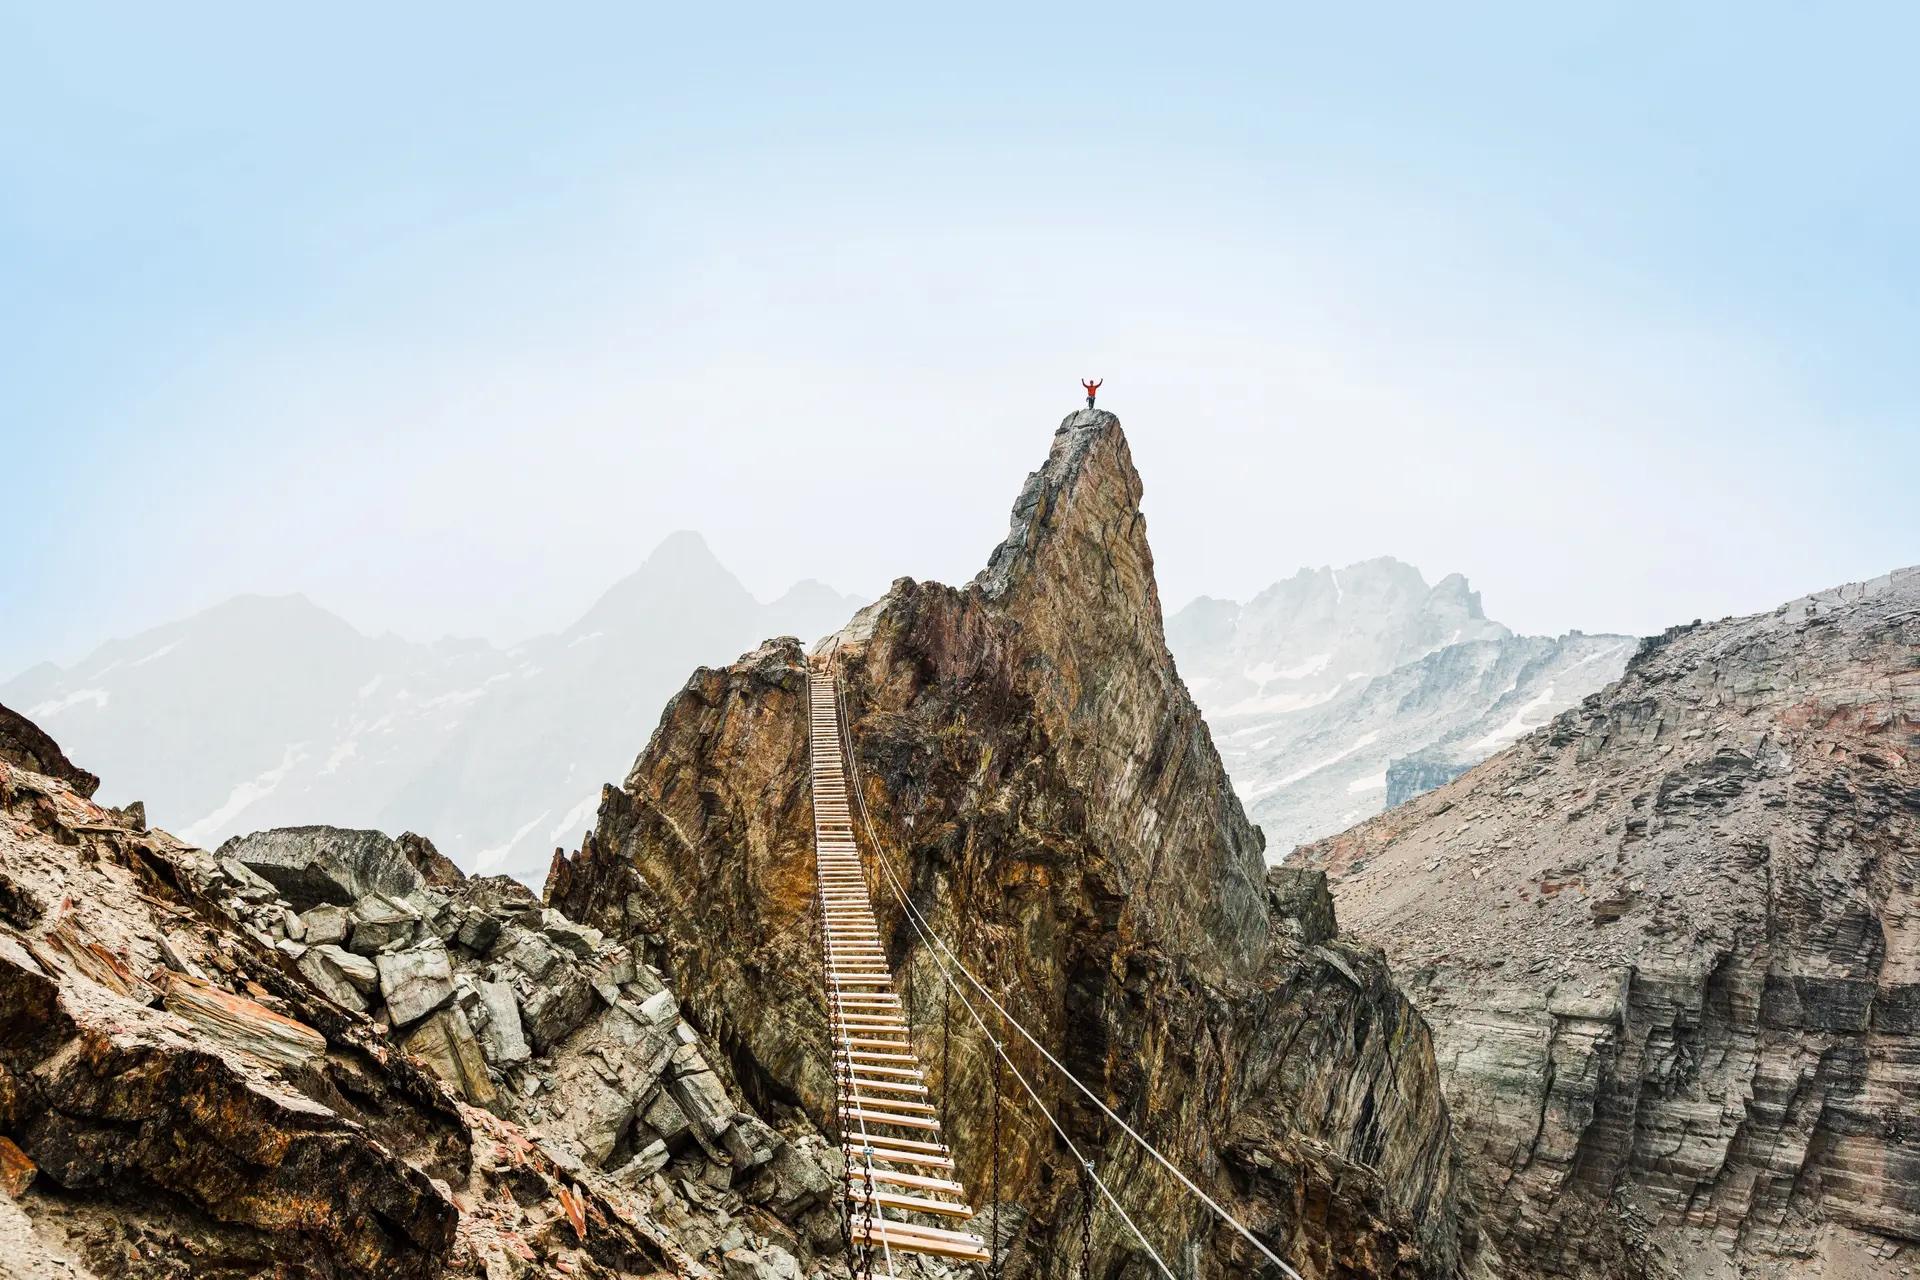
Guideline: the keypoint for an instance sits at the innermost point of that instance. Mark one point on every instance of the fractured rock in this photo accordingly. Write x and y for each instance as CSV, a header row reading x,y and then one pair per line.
x,y
326,923
501,1038
327,968
446,1043
381,924
556,1007
415,982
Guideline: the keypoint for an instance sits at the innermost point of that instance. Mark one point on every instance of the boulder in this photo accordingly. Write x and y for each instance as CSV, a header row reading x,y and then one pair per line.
x,y
664,1116
415,982
700,1094
501,1038
557,1007
325,923
446,1043
650,1160
381,924
310,865
326,968
434,867
749,1141
660,1008
477,931
530,954
579,939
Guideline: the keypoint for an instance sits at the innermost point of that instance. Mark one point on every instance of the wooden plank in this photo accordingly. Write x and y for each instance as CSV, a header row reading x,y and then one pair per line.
x,y
867,1115
941,1244
909,1203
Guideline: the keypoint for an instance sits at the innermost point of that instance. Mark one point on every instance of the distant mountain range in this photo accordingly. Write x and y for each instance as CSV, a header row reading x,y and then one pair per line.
x,y
1332,695
269,711
1339,692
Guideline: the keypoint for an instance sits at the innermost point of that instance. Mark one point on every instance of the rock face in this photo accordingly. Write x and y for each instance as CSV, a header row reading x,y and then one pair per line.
x,y
1050,795
1670,949
1340,692
191,1087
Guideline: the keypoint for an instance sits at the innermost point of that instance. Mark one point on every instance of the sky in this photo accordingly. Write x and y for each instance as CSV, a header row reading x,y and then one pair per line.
x,y
446,315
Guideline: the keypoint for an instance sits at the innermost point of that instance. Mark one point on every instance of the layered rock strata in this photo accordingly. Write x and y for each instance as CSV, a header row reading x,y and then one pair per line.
x,y
1669,945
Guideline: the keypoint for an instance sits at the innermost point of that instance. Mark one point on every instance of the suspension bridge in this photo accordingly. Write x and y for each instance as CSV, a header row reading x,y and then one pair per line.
x,y
901,1179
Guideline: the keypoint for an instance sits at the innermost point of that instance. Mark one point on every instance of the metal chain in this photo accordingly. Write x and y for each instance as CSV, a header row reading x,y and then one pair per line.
x,y
996,1263
1086,1219
946,1053
873,1212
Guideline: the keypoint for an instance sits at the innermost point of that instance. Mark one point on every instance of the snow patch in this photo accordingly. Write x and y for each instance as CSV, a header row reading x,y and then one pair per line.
x,y
1518,725
366,690
488,859
577,641
459,697
1372,782
53,707
1364,740
1267,671
157,654
339,756
1280,702
575,817
244,797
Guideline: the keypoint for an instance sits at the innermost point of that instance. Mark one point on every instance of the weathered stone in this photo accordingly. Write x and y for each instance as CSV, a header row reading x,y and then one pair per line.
x,y
749,1141
1301,898
415,982
24,744
253,888
701,1097
17,1169
501,1037
530,954
648,1161
556,1008
446,1043
381,924
664,1116
325,923
578,939
435,868
243,1024
477,931
326,968
311,865
661,1008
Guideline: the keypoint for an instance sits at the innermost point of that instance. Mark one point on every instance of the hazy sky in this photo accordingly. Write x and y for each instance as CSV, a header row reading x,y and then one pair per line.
x,y
446,315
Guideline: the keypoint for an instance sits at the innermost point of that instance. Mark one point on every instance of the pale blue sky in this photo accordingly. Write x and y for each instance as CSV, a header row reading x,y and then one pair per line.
x,y
446,317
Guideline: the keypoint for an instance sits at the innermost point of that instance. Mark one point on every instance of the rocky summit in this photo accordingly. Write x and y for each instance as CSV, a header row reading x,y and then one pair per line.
x,y
1046,789
1669,946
